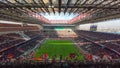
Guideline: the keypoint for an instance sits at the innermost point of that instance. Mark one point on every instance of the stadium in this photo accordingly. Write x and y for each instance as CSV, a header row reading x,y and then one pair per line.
x,y
60,33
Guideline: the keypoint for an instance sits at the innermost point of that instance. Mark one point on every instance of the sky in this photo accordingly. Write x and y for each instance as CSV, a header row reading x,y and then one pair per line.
x,y
58,16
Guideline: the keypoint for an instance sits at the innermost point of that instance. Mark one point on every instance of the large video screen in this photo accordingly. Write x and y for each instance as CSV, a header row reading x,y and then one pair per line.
x,y
93,27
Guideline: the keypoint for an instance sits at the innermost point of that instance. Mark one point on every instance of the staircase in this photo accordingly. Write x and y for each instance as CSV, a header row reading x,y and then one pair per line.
x,y
24,36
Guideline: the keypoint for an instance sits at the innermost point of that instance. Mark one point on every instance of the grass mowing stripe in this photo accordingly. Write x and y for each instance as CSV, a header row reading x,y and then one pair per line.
x,y
58,47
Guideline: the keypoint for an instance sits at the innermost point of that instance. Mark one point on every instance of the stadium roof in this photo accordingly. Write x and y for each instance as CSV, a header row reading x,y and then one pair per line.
x,y
29,11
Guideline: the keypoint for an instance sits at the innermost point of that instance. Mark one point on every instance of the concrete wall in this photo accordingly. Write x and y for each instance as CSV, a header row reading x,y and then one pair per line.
x,y
104,26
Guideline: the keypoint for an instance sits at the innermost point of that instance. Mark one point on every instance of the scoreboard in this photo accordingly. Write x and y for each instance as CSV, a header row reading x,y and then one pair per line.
x,y
93,28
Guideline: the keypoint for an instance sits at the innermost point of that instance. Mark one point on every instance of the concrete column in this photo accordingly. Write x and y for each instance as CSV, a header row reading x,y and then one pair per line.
x,y
77,27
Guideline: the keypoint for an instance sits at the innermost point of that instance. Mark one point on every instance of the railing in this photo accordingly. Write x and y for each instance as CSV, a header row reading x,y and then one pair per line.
x,y
37,64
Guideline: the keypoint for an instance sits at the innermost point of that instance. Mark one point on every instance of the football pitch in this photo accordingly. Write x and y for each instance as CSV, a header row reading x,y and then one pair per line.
x,y
58,47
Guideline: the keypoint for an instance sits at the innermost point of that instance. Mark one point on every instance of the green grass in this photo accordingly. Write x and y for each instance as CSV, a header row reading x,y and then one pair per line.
x,y
58,47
